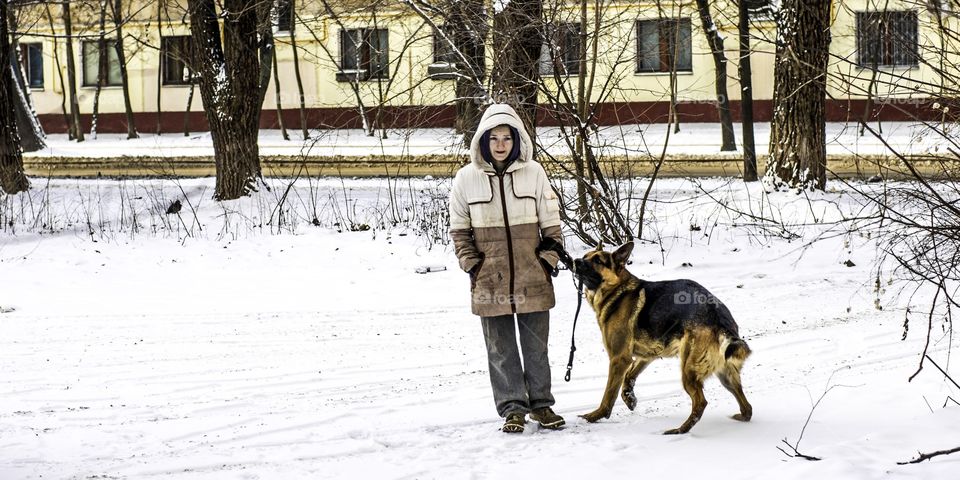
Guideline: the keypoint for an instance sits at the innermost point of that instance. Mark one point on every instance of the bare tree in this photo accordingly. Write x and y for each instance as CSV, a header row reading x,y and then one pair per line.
x,y
517,39
160,8
119,21
67,118
75,126
798,152
746,93
296,68
102,66
729,142
226,84
12,178
469,27
28,126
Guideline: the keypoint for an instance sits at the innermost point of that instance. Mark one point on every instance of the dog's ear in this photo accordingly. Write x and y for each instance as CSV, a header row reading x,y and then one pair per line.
x,y
621,255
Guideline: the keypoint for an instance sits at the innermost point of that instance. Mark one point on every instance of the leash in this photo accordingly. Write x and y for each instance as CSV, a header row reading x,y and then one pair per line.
x,y
548,243
573,332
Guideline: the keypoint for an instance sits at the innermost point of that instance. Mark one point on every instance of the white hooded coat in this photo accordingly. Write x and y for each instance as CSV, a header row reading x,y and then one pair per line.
x,y
498,221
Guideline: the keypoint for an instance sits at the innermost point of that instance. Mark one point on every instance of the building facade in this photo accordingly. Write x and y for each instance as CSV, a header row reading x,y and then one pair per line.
x,y
393,65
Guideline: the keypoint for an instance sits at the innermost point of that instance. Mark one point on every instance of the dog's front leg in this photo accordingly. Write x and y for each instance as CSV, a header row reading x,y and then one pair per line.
x,y
618,368
630,380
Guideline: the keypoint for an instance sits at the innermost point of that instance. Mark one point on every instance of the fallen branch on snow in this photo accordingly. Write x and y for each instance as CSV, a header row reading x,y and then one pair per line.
x,y
794,446
797,454
928,456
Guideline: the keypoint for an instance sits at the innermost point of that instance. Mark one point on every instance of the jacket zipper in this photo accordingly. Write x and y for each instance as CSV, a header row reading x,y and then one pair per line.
x,y
506,223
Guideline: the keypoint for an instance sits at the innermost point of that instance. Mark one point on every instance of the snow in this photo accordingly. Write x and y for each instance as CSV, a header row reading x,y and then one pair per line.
x,y
247,349
693,139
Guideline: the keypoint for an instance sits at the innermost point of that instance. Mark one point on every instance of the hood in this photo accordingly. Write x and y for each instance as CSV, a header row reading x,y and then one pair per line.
x,y
494,116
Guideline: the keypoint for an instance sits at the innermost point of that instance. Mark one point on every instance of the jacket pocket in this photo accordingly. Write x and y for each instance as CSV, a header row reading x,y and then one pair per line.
x,y
475,272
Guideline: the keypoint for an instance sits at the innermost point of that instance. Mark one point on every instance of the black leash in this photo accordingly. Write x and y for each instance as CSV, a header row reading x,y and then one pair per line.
x,y
548,243
573,332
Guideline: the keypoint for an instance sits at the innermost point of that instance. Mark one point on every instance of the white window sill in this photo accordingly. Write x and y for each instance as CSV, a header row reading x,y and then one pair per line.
x,y
662,74
888,68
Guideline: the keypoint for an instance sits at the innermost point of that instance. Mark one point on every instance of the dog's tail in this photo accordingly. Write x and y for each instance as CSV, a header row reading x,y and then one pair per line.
x,y
735,350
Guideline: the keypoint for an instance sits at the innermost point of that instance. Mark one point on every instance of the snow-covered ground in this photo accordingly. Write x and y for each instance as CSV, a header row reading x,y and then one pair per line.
x,y
227,345
693,139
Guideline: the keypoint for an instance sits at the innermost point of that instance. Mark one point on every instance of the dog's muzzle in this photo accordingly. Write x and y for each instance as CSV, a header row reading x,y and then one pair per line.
x,y
582,270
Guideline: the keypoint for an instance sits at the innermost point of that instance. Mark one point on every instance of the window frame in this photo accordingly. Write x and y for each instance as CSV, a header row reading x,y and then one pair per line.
x,y
445,62
364,67
111,53
185,48
284,20
885,41
27,64
561,48
665,59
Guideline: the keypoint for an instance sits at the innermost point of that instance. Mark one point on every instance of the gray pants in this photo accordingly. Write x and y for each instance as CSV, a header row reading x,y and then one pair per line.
x,y
518,387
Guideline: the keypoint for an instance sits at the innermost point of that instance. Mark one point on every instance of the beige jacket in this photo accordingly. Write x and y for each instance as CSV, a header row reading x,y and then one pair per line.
x,y
497,221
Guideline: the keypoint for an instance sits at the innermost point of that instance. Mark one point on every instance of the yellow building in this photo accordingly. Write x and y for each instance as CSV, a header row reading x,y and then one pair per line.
x,y
388,64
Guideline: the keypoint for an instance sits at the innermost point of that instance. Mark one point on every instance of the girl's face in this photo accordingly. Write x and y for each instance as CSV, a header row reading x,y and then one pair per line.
x,y
501,143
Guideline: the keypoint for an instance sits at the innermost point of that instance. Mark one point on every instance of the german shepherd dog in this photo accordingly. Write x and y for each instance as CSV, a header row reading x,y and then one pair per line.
x,y
642,321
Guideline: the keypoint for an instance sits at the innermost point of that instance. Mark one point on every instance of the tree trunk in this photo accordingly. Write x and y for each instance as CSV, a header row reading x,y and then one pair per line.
x,y
517,37
122,61
75,125
296,68
798,153
746,96
720,67
12,178
101,68
267,50
186,112
226,84
67,119
276,85
29,128
160,5
468,24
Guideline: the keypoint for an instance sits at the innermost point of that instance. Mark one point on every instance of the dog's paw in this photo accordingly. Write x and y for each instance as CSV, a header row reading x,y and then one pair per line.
x,y
741,417
595,415
629,398
675,431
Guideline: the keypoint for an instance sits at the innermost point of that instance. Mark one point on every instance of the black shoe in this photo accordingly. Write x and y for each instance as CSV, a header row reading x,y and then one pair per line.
x,y
515,423
547,418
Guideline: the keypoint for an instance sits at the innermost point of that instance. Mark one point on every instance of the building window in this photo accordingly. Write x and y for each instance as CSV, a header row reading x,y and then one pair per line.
x,y
887,39
664,45
445,57
176,53
284,16
561,52
91,64
760,9
364,54
444,52
32,56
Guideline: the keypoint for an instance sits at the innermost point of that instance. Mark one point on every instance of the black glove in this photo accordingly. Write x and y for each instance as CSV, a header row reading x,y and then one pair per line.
x,y
549,244
553,271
